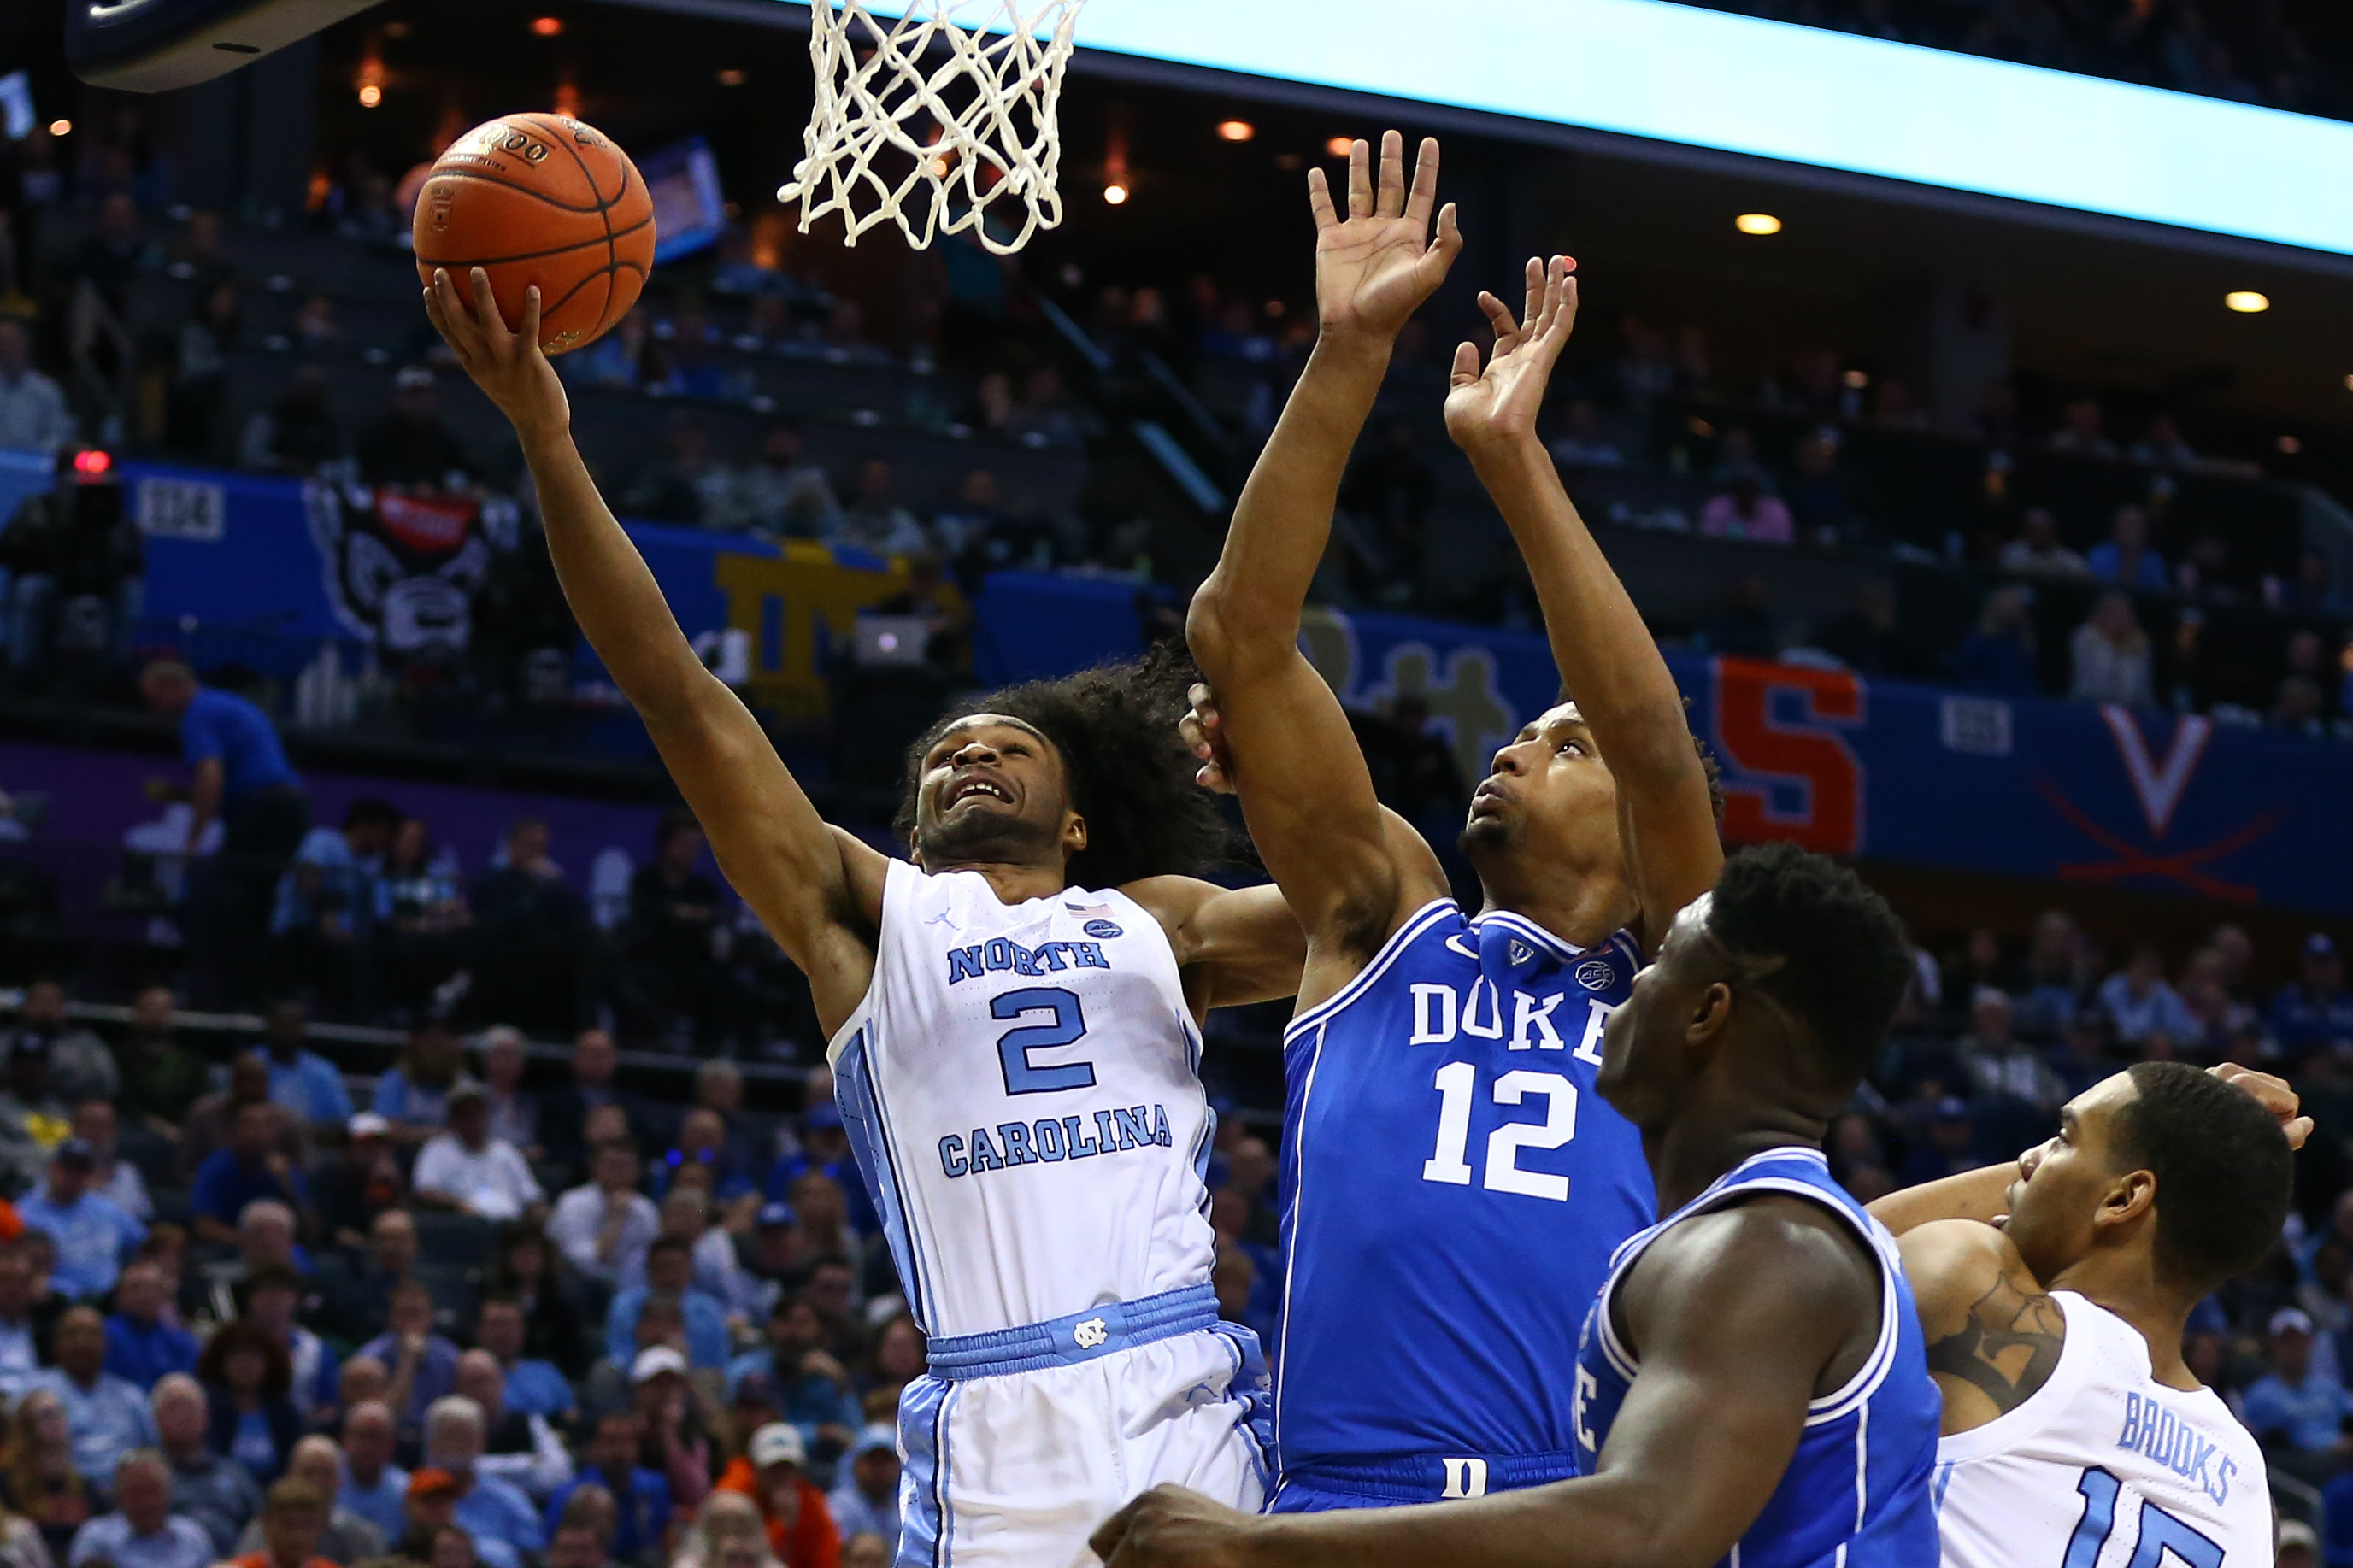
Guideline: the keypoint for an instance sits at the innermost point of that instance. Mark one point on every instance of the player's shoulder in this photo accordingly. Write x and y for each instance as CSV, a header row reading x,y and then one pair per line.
x,y
1785,1243
1952,1263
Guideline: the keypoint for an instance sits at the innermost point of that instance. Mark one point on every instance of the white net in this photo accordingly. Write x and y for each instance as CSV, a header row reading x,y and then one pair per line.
x,y
935,121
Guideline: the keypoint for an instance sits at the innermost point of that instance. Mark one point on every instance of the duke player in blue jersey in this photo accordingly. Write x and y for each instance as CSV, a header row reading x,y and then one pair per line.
x,y
1752,1387
1451,1186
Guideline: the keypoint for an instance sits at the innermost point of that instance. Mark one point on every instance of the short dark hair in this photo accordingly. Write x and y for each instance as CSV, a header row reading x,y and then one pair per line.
x,y
1844,960
243,1334
678,819
670,1243
1127,769
274,1277
2225,1176
370,812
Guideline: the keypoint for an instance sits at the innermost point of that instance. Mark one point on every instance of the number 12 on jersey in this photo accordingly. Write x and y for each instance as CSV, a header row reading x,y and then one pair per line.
x,y
1458,1084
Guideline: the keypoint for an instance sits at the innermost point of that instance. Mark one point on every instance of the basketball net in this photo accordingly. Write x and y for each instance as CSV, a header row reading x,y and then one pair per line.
x,y
933,122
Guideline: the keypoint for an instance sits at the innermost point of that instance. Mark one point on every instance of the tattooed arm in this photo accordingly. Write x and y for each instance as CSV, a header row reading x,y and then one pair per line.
x,y
1993,1334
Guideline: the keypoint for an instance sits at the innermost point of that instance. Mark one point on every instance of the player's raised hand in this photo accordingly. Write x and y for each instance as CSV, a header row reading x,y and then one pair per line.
x,y
1204,734
1498,404
507,366
2274,1095
1375,265
1170,1527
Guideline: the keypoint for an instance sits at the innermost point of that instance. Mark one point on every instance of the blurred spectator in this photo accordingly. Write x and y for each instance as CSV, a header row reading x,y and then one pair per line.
x,y
514,1114
806,1384
410,446
293,1529
2315,590
1867,639
80,1067
422,1365
874,520
771,1472
2084,431
273,1294
33,413
249,1380
27,1321
517,1446
866,1550
529,947
671,969
91,1233
142,1532
604,1226
359,1182
323,908
106,1416
1948,1148
780,492
949,648
2141,1004
466,1170
532,1273
43,1482
867,1500
142,1345
161,1077
199,384
673,1411
373,1487
2314,1012
2300,1415
2109,655
2125,558
414,1096
1043,417
1998,1064
429,1519
1821,500
1998,656
251,1166
2037,551
688,485
1747,627
669,1275
1388,495
563,1110
363,1312
641,1497
420,918
1745,511
301,1083
1582,442
208,1486
704,1141
297,435
2163,446
534,1386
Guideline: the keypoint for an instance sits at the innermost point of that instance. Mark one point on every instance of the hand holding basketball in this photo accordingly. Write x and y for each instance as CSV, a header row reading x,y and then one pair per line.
x,y
1499,402
1375,268
507,366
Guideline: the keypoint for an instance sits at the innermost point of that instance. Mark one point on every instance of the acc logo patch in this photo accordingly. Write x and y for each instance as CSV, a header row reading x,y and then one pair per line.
x,y
1596,974
1102,929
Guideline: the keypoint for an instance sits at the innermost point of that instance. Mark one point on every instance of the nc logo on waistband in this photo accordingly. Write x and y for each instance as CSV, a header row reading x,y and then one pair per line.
x,y
1094,1332
1464,1478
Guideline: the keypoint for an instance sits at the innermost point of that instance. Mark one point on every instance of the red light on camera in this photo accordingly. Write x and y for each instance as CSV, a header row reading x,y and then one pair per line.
x,y
92,462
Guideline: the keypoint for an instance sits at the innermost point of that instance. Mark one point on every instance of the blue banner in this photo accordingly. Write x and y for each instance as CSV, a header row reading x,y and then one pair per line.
x,y
2033,788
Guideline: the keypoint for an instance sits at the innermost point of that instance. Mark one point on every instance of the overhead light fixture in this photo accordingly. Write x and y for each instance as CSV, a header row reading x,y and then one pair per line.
x,y
1116,195
1339,146
60,127
2247,301
1235,129
730,76
371,95
1757,223
547,27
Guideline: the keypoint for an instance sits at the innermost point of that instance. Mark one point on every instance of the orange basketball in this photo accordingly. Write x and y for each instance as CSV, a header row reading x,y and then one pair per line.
x,y
538,198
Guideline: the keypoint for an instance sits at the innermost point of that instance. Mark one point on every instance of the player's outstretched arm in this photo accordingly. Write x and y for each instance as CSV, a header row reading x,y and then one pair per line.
x,y
1606,655
1695,1454
1305,791
818,894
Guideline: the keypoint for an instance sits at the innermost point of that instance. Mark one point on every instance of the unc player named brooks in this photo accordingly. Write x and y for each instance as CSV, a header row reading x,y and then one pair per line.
x,y
2074,1434
1452,1187
1752,1389
1015,1033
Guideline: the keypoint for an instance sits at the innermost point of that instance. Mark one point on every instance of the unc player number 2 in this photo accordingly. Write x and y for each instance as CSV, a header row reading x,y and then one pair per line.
x,y
1456,1082
1013,1048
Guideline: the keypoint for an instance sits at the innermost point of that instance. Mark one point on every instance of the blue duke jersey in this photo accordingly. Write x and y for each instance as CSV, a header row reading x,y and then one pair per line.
x,y
1857,1492
1452,1188
1020,1082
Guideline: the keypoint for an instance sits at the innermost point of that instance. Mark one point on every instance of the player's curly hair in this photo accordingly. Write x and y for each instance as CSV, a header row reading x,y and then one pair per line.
x,y
1129,773
1845,962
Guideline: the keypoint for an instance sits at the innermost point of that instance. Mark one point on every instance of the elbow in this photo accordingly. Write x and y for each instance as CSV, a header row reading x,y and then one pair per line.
x,y
1224,631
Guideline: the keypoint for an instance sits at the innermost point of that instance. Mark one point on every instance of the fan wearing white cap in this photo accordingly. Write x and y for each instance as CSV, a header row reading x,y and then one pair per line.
x,y
771,1472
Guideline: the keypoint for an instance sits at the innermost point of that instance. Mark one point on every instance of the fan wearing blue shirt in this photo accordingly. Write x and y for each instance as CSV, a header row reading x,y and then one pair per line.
x,y
641,1497
106,1417
670,1273
535,1388
249,1168
140,1347
92,1232
304,1082
487,1506
2125,558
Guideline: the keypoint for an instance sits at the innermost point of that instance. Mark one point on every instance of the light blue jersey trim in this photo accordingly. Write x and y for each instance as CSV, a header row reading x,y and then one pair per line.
x,y
1080,1337
923,1432
868,1122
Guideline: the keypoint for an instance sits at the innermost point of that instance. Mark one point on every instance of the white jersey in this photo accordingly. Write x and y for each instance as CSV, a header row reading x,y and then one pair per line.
x,y
1022,1081
2104,1466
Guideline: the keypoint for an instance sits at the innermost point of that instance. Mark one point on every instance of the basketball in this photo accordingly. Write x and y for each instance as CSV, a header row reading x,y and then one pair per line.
x,y
541,199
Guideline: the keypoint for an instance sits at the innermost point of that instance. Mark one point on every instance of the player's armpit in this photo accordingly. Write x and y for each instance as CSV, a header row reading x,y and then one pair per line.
x,y
1233,945
1993,1335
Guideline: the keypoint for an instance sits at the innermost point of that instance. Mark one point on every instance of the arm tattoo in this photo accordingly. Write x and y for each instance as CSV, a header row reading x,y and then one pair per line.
x,y
2001,1323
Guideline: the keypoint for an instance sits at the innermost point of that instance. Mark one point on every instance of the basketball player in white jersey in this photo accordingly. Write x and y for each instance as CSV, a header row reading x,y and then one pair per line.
x,y
2074,1436
1015,1028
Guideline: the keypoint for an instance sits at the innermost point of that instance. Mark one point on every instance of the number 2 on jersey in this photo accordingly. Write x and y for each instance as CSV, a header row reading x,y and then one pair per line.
x,y
1456,1082
2161,1532
1013,1048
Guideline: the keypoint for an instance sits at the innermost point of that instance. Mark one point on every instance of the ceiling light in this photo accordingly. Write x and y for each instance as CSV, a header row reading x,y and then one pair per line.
x,y
1235,129
1757,223
1116,195
371,95
2247,301
1858,380
60,127
546,27
1340,146
730,76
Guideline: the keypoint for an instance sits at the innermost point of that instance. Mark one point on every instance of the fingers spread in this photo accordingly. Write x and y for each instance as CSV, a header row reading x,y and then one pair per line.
x,y
1466,364
486,311
1449,244
1361,180
1391,203
531,315
1534,308
1499,318
1319,199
